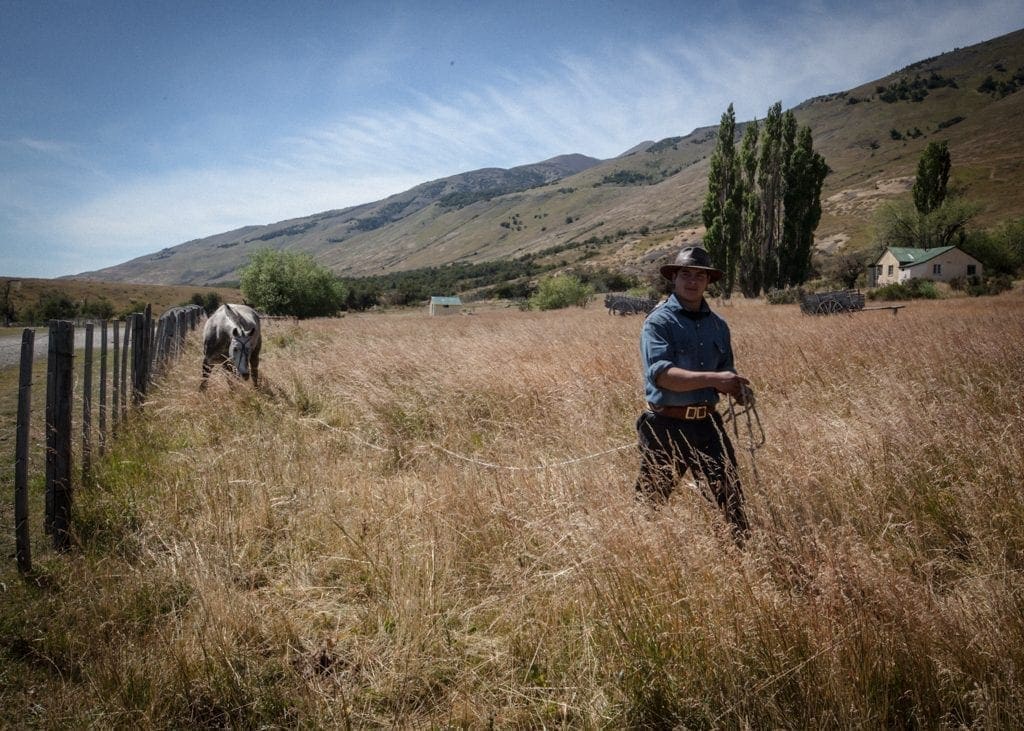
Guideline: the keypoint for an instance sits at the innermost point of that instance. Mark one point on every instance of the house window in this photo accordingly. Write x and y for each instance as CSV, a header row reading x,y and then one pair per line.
x,y
971,270
936,269
890,270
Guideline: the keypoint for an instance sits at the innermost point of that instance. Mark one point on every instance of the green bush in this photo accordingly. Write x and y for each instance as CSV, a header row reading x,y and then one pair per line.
x,y
287,283
56,307
983,286
101,309
1000,249
554,293
507,291
787,296
603,279
644,292
912,289
209,301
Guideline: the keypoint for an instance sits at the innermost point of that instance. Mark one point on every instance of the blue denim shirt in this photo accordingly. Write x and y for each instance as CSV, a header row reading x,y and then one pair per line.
x,y
696,341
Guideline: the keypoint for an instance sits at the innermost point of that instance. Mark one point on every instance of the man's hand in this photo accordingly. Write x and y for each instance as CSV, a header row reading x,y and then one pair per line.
x,y
733,385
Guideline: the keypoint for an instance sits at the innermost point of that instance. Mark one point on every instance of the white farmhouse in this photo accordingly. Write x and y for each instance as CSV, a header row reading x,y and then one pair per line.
x,y
940,264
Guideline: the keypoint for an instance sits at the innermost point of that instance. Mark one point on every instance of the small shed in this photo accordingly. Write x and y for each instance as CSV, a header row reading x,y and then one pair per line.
x,y
445,305
941,264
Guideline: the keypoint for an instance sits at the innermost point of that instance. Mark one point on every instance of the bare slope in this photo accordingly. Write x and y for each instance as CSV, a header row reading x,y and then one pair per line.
x,y
633,209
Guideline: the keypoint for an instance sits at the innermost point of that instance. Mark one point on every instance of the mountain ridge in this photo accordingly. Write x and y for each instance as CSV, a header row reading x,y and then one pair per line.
x,y
630,210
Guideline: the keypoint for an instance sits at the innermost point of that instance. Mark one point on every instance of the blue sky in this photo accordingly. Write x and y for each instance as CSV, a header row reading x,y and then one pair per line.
x,y
129,126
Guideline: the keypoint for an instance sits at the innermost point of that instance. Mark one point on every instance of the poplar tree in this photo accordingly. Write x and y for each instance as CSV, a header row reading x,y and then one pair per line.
x,y
723,203
770,179
764,202
805,176
750,278
932,177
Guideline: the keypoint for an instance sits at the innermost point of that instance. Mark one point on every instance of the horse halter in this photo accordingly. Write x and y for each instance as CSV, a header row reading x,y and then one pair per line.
x,y
241,347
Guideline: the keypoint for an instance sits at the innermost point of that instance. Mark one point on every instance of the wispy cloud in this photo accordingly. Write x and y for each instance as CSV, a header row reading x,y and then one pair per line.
x,y
598,104
149,215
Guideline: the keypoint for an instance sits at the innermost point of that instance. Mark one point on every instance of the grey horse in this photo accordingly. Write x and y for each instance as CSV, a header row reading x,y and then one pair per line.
x,y
231,337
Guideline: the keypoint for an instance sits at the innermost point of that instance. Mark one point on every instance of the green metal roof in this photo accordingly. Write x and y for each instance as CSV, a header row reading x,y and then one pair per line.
x,y
445,301
908,256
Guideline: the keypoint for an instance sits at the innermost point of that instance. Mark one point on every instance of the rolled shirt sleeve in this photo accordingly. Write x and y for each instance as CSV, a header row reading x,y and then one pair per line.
x,y
656,352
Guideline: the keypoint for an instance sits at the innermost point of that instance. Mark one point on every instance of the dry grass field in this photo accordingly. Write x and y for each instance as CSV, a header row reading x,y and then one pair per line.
x,y
429,522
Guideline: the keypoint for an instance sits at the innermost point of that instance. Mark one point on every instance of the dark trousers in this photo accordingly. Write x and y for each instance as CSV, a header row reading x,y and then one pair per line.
x,y
669,447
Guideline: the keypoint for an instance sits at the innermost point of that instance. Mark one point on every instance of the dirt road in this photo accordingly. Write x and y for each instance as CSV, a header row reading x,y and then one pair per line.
x,y
10,346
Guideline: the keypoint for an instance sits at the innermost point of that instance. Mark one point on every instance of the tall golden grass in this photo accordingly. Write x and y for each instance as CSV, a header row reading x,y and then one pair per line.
x,y
425,522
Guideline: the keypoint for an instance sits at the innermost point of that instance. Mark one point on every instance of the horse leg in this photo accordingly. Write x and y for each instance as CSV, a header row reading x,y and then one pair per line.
x,y
204,381
254,369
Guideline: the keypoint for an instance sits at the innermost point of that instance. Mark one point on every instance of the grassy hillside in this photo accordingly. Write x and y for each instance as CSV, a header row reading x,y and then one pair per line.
x,y
430,522
642,205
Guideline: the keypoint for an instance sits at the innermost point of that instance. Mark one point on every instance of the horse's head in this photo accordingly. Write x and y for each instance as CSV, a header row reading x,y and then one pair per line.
x,y
242,342
245,337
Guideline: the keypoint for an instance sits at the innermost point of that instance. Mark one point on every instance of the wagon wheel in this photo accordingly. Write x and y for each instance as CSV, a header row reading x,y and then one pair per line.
x,y
830,307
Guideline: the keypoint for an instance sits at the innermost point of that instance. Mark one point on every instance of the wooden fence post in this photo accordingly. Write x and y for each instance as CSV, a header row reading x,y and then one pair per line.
x,y
115,410
147,361
51,394
103,387
87,406
138,357
22,543
124,365
58,452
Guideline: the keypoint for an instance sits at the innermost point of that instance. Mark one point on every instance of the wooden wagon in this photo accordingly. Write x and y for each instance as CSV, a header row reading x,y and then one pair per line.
x,y
831,303
622,304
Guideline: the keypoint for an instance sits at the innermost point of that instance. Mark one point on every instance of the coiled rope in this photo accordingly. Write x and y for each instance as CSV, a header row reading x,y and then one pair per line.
x,y
755,432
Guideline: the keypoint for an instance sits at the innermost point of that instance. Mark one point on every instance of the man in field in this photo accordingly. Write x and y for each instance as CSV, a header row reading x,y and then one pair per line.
x,y
687,361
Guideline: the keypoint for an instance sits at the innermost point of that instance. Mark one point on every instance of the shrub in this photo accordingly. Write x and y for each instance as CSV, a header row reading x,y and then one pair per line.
x,y
644,292
603,279
1001,249
56,307
209,302
101,309
507,291
980,287
554,293
286,283
909,290
787,296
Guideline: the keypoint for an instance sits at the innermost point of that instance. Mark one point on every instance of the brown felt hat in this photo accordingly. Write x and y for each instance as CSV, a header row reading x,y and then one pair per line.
x,y
692,257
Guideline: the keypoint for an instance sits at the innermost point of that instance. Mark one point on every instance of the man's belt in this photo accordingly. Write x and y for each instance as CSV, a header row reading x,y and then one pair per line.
x,y
692,412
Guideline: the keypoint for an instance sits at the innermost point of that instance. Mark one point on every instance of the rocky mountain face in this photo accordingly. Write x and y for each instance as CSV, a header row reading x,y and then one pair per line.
x,y
637,208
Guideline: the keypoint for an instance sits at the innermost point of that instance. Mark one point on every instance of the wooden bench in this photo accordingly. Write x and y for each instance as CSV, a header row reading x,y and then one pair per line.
x,y
895,308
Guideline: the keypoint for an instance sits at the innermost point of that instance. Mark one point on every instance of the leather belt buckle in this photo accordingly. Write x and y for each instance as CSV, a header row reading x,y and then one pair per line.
x,y
696,412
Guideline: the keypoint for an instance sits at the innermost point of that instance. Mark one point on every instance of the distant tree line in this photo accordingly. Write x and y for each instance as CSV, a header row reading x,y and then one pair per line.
x,y
289,283
56,305
59,306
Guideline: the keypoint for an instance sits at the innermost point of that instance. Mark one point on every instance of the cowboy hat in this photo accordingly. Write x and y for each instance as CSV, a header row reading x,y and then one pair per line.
x,y
692,257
